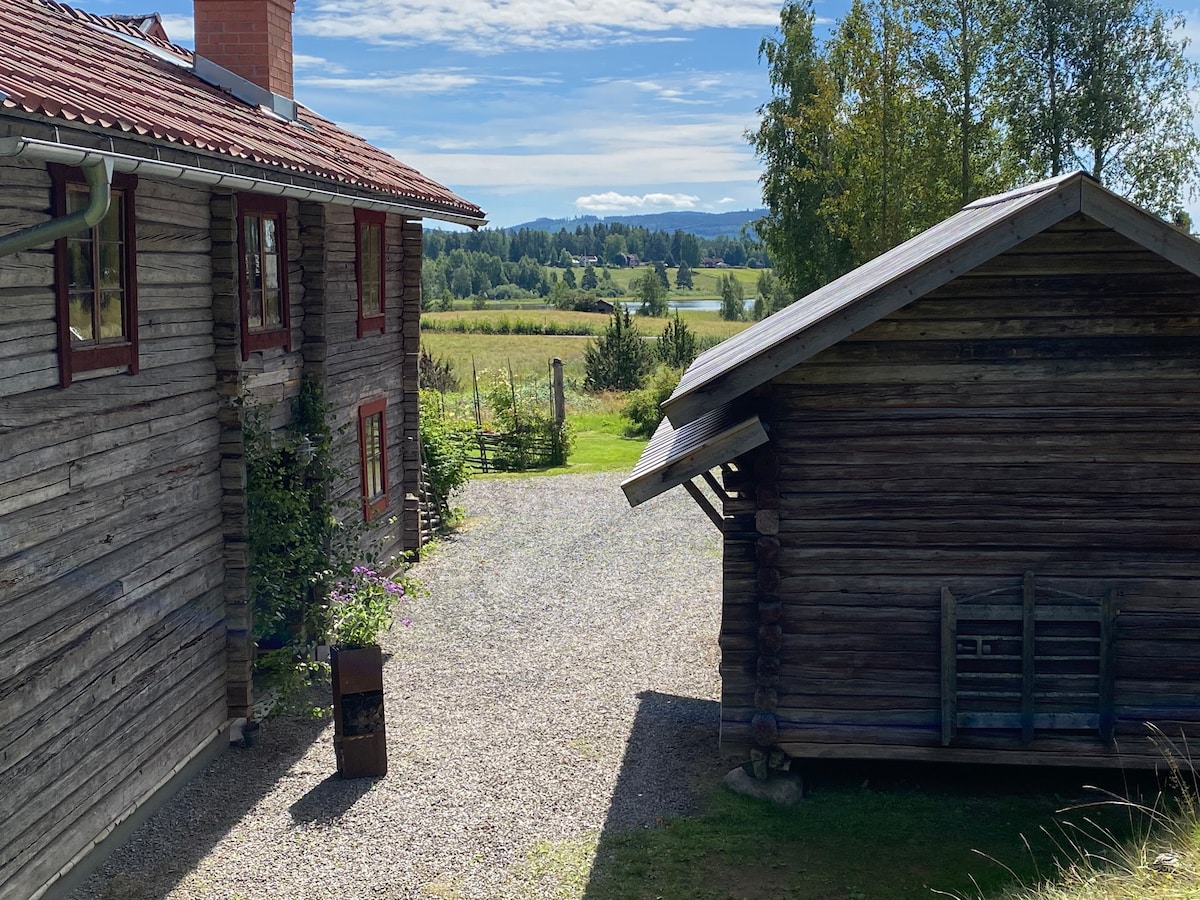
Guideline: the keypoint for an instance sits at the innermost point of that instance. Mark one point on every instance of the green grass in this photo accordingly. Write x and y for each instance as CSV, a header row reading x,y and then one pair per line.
x,y
845,841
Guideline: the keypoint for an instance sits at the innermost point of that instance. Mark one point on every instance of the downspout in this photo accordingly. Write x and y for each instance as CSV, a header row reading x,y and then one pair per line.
x,y
99,175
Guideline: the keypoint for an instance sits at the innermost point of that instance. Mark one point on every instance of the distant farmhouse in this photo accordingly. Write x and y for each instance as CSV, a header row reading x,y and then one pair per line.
x,y
181,240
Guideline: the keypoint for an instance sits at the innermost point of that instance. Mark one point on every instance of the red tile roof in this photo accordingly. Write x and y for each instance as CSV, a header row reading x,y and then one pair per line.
x,y
71,65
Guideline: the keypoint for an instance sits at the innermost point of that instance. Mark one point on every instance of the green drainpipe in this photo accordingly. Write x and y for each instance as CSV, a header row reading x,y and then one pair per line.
x,y
99,178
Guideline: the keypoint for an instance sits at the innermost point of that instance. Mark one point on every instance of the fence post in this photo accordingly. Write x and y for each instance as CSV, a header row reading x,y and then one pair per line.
x,y
556,391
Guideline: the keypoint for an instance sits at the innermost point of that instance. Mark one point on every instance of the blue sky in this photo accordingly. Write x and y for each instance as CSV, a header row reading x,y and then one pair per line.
x,y
552,108
542,107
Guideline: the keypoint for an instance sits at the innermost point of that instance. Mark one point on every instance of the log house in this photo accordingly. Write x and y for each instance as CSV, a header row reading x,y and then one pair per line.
x,y
959,492
176,232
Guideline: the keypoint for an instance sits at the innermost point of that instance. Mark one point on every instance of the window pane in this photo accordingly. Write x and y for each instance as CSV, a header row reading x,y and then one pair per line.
x,y
270,266
79,264
269,236
110,266
250,236
82,328
373,428
110,225
271,315
254,309
112,316
77,198
370,299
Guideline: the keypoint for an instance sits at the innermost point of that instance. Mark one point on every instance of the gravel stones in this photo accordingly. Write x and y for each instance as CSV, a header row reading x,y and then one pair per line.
x,y
559,681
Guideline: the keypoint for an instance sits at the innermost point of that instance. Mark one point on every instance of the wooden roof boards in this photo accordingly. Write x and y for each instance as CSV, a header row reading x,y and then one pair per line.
x,y
674,456
979,232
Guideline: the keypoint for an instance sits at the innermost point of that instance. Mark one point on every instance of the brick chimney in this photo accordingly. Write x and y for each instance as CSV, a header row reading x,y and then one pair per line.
x,y
252,38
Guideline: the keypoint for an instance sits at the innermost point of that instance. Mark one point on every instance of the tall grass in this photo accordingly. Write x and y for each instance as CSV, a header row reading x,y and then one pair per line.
x,y
1160,860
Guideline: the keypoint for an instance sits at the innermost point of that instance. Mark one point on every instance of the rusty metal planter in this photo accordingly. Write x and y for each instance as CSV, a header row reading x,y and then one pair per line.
x,y
359,736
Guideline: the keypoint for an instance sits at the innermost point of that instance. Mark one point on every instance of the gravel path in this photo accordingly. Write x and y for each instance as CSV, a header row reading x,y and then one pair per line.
x,y
558,684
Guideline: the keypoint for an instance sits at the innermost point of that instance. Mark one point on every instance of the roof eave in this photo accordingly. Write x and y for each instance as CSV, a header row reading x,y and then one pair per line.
x,y
1055,205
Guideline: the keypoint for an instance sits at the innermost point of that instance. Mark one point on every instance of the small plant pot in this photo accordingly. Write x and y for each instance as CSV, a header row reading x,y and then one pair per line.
x,y
359,736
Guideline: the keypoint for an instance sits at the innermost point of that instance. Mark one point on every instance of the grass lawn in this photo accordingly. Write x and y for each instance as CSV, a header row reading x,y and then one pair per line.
x,y
530,355
849,839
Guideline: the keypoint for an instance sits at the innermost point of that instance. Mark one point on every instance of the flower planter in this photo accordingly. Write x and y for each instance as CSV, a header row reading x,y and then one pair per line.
x,y
359,737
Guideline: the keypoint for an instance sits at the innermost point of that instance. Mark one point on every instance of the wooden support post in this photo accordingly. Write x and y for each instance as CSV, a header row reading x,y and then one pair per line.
x,y
556,391
704,503
1107,708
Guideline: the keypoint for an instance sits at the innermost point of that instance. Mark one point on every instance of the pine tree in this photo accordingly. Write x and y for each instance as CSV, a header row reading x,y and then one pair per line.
x,y
619,359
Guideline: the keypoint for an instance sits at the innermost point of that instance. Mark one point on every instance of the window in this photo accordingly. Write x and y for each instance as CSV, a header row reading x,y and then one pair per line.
x,y
95,279
262,273
369,256
372,442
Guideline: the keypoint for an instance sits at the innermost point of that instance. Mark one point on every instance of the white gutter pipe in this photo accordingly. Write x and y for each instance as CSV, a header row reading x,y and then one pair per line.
x,y
49,151
99,173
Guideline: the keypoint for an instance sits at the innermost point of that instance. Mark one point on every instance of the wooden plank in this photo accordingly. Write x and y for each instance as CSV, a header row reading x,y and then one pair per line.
x,y
1027,657
949,638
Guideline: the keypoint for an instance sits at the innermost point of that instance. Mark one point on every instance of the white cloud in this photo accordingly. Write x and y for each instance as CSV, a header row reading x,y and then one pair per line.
x,y
304,61
411,83
493,26
725,201
180,29
611,201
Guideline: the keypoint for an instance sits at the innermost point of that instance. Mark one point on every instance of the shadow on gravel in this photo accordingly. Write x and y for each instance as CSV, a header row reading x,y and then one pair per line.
x,y
160,854
329,800
671,762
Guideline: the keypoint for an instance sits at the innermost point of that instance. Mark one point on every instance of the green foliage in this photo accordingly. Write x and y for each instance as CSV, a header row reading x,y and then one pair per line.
x,y
619,359
648,290
362,606
733,298
771,295
676,346
643,408
504,325
660,270
913,108
291,519
435,373
589,281
683,276
443,448
530,438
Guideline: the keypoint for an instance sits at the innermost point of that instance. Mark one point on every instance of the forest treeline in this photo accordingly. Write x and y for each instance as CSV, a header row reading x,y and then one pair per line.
x,y
498,264
910,109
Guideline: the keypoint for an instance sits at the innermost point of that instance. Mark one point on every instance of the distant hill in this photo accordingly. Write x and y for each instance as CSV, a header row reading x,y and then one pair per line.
x,y
701,224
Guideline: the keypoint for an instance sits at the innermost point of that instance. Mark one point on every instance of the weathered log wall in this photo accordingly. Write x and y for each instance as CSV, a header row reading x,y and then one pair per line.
x,y
358,370
1038,413
111,546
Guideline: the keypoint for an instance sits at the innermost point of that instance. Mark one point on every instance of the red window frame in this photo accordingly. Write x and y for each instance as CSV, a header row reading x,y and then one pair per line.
x,y
98,353
371,478
367,275
260,208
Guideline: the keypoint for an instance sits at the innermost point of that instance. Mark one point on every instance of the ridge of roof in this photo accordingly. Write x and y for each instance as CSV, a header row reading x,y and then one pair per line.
x,y
976,233
107,76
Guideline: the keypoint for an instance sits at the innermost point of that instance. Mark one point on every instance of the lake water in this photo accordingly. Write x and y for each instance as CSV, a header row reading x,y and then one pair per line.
x,y
700,305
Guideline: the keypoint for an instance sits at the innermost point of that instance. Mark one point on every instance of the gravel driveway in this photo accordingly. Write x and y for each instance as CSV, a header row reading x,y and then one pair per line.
x,y
557,685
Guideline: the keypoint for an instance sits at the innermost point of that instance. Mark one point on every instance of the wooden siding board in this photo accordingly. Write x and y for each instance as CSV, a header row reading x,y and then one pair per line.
x,y
969,437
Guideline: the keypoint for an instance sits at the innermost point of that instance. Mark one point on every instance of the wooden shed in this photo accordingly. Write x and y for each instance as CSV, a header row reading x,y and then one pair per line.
x,y
178,242
960,494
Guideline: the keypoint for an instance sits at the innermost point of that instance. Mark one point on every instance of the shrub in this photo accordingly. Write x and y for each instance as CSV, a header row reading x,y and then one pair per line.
x,y
677,346
643,408
443,447
619,359
436,373
530,436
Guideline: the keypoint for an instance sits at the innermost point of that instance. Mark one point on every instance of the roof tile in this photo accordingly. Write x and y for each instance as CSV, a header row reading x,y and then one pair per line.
x,y
68,64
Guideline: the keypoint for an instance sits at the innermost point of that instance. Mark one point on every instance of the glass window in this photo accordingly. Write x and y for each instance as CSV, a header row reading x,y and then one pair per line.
x,y
369,230
96,283
262,264
372,439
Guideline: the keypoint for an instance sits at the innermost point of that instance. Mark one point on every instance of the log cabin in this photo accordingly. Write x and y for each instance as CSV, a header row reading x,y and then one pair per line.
x,y
959,494
178,237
